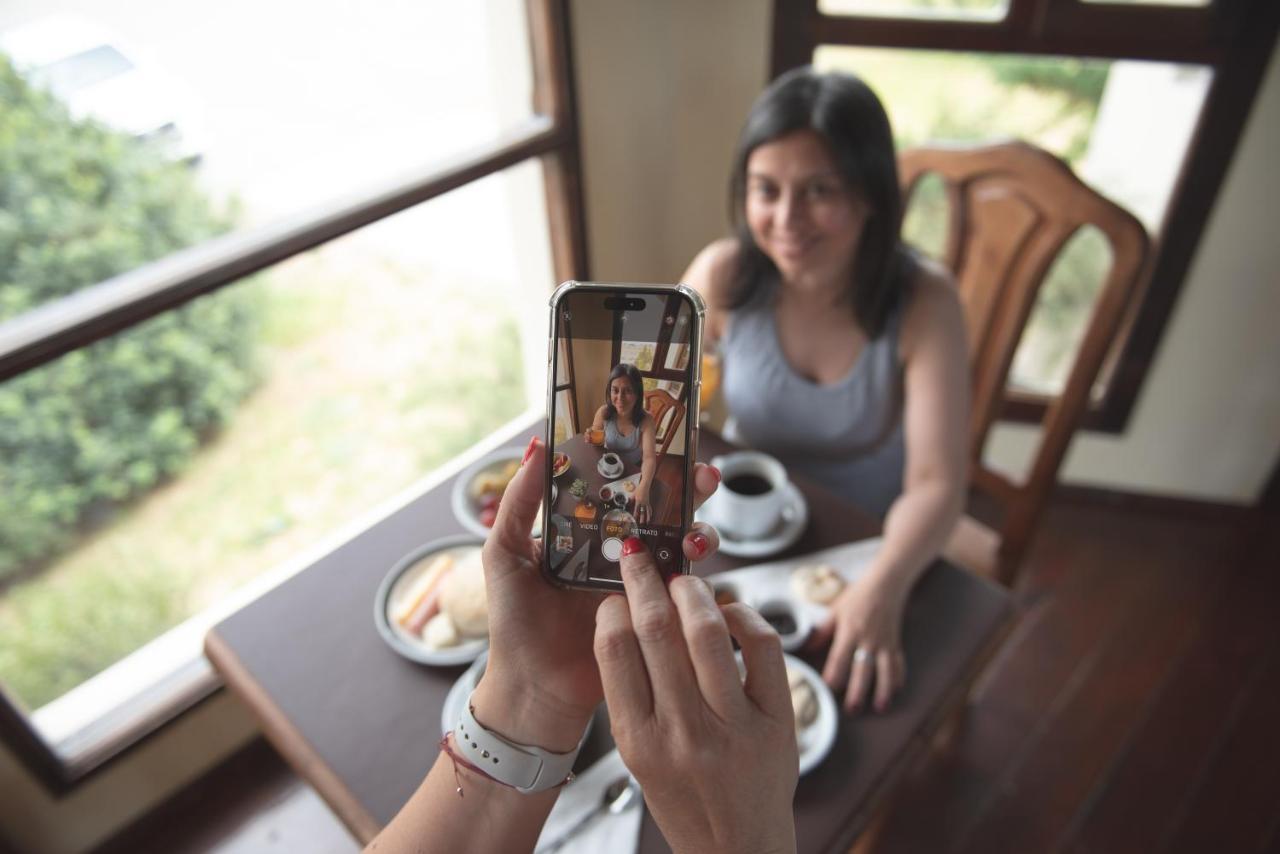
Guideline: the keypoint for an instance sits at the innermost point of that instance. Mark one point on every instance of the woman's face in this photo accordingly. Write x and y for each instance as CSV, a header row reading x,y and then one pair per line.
x,y
622,395
800,213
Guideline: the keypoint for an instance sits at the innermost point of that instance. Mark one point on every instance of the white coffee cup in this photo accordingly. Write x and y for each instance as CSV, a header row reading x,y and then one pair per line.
x,y
752,512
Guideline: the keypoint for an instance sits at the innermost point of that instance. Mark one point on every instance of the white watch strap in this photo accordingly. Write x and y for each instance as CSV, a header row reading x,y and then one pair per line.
x,y
524,767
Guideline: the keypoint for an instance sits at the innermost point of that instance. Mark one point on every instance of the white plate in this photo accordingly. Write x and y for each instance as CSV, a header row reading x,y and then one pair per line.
x,y
816,740
766,582
464,507
401,575
791,524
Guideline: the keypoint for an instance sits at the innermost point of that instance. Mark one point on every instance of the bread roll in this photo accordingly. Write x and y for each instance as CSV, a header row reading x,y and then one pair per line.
x,y
817,583
440,632
804,700
462,596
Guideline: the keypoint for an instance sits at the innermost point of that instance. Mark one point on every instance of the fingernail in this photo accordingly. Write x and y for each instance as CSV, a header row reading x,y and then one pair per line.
x,y
528,452
700,543
715,472
632,545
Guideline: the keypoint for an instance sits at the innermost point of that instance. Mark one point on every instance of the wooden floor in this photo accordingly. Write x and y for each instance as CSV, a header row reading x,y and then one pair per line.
x,y
1136,708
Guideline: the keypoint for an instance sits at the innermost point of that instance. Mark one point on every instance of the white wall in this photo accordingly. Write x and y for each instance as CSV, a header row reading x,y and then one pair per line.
x,y
663,88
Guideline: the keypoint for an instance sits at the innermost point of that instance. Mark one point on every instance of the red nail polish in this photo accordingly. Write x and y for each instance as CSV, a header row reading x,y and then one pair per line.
x,y
632,545
700,543
528,452
716,473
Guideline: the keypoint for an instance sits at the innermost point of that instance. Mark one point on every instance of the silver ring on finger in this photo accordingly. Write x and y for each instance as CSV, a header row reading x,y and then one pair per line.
x,y
861,654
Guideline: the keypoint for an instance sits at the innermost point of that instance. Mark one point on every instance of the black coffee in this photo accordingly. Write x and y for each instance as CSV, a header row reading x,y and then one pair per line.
x,y
748,484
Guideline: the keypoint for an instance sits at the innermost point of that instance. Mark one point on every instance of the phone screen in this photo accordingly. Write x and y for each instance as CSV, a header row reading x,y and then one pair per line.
x,y
622,430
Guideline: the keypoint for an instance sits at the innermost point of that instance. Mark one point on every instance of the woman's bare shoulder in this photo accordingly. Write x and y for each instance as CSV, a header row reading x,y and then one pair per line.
x,y
711,274
711,271
934,307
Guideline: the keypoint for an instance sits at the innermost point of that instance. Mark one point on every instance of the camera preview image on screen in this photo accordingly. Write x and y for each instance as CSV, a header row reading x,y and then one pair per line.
x,y
620,421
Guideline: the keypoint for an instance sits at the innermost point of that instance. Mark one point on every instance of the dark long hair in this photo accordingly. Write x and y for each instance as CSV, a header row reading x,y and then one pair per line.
x,y
848,116
623,369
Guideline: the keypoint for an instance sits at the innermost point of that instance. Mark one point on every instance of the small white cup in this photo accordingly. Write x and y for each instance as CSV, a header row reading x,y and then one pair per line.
x,y
792,626
749,516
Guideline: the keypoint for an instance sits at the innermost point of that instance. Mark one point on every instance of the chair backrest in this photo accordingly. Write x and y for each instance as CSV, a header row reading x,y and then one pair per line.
x,y
667,414
1012,209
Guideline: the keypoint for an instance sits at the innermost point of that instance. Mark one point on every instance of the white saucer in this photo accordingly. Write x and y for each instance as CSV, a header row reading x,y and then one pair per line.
x,y
790,525
610,473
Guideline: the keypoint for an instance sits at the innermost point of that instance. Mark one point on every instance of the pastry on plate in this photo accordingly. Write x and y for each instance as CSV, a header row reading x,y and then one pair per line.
x,y
804,700
818,583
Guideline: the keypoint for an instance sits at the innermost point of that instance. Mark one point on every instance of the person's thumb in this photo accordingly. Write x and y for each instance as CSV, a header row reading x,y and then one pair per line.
x,y
520,501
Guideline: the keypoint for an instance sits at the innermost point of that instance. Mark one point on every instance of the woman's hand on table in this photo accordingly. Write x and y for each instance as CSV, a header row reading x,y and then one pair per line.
x,y
716,756
541,684
644,511
864,630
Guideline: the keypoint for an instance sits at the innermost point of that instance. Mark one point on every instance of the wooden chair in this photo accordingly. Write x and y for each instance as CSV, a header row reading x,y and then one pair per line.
x,y
1012,208
667,414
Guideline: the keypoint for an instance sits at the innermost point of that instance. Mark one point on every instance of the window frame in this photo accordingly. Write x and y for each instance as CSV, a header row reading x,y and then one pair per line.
x,y
1235,38
45,333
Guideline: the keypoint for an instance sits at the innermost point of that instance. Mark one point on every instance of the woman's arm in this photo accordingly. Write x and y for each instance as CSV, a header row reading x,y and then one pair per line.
x,y
711,274
936,420
540,687
648,465
598,423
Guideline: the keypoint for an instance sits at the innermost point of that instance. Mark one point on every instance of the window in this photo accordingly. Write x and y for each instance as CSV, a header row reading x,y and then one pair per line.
x,y
938,9
1122,125
326,282
1146,100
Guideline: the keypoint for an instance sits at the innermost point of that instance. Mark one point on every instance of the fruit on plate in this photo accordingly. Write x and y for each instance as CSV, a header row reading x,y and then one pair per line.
x,y
488,488
559,463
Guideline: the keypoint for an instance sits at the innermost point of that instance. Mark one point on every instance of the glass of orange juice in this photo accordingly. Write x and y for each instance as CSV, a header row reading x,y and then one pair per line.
x,y
710,377
595,435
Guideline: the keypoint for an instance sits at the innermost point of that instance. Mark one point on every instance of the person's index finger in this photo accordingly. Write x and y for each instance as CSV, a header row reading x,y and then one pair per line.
x,y
657,627
622,669
710,649
766,682
520,500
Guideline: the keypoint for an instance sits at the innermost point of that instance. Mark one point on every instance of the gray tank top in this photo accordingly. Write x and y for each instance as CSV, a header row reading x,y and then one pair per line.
x,y
846,435
626,447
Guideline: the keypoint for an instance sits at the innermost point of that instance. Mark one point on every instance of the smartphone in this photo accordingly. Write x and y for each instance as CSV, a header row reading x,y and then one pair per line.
x,y
622,428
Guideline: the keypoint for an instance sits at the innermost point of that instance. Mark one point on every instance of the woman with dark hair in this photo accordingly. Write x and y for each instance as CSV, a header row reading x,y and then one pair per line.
x,y
629,431
843,351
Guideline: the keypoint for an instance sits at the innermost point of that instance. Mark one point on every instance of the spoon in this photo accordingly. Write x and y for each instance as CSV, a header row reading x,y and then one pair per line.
x,y
618,797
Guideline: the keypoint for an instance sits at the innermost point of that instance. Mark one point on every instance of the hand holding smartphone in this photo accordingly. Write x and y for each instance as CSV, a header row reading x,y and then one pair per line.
x,y
622,421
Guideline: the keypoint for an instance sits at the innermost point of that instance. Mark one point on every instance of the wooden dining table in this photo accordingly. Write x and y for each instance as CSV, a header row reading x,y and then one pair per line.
x,y
361,724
